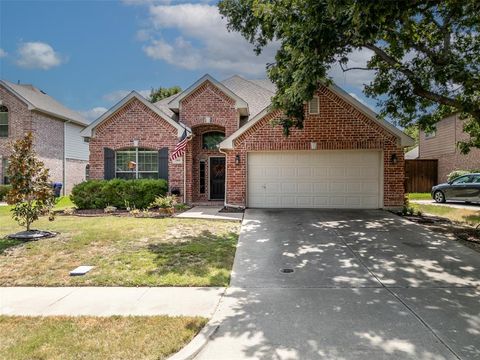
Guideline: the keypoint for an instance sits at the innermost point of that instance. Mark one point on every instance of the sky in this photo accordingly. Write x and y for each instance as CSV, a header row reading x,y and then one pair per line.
x,y
89,54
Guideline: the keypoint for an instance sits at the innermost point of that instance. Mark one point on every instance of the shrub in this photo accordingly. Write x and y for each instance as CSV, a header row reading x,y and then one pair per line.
x,y
120,193
4,189
457,173
164,202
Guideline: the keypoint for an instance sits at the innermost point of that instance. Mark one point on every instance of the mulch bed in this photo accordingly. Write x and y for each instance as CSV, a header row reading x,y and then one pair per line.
x,y
230,209
468,236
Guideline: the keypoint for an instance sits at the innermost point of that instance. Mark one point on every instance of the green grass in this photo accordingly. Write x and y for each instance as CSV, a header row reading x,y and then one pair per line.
x,y
419,196
63,202
125,252
91,338
469,217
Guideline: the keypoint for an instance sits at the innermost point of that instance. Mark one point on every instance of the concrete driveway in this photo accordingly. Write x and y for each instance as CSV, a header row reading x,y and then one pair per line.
x,y
366,285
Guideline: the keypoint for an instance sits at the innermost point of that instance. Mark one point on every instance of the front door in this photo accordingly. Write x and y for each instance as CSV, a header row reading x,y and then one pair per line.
x,y
217,178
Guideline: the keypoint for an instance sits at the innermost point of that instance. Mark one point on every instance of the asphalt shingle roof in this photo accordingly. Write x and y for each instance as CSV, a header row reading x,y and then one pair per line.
x,y
43,102
257,93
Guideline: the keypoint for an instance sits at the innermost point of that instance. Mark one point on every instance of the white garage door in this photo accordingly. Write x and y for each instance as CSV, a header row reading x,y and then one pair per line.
x,y
315,179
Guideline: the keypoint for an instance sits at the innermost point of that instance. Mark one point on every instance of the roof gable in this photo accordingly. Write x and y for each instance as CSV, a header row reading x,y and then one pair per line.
x,y
87,132
40,101
405,140
240,104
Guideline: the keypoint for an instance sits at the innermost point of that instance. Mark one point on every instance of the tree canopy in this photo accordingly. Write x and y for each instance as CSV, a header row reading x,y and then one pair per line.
x,y
426,53
162,93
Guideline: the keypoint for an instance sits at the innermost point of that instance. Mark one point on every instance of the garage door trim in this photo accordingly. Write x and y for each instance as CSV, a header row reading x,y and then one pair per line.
x,y
322,152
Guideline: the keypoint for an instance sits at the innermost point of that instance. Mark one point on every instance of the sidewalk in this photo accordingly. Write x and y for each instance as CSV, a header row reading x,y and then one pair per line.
x,y
107,301
210,213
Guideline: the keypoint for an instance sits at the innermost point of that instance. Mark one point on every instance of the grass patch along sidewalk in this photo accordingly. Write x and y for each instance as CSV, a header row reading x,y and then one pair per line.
x,y
125,252
92,338
463,216
419,196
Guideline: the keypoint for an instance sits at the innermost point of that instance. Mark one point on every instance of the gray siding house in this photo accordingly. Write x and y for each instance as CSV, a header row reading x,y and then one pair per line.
x,y
56,131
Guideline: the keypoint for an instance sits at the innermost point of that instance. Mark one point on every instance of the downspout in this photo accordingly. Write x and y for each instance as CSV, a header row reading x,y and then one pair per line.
x,y
225,203
64,187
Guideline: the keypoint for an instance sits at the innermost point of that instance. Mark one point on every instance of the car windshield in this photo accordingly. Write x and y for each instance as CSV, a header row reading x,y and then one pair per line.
x,y
462,180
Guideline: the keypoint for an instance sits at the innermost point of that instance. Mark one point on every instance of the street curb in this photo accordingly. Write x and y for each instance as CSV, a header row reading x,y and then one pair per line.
x,y
198,342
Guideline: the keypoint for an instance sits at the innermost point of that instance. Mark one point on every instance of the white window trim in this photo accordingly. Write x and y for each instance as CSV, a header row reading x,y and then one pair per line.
x,y
136,167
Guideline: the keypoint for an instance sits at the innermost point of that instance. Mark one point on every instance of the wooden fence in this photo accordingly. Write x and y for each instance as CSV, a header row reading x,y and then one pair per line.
x,y
420,175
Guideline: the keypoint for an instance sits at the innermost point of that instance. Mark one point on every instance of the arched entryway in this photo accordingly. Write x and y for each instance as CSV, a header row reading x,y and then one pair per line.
x,y
208,164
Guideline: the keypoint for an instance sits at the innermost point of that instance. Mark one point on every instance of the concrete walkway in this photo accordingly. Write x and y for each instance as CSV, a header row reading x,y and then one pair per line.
x,y
107,301
210,213
457,205
365,285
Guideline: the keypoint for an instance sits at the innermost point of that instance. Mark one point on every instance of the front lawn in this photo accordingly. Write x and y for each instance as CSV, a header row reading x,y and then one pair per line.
x,y
125,252
91,338
464,216
419,196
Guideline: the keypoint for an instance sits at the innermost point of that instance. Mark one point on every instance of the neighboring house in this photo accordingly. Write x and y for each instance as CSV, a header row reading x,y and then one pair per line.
x,y
56,130
412,154
345,157
442,145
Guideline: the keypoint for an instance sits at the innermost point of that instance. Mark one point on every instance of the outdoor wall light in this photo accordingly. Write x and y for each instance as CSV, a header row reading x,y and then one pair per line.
x,y
394,158
135,143
237,159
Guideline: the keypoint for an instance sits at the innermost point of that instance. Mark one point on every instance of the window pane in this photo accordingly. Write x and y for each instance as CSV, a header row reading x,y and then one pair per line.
x,y
148,175
3,118
3,130
212,139
126,175
123,158
147,160
202,177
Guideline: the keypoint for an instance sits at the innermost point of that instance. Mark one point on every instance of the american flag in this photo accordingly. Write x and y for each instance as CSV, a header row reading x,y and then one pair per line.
x,y
180,147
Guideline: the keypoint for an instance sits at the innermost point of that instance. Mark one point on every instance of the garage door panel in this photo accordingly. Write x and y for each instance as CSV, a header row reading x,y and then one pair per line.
x,y
319,179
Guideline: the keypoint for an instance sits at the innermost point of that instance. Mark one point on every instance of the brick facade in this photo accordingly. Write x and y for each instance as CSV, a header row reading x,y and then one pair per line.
x,y
48,133
134,121
339,126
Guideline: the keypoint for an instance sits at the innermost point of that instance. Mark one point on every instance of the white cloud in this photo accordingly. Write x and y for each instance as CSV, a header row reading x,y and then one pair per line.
x,y
356,97
38,55
93,113
3,53
117,95
203,41
355,78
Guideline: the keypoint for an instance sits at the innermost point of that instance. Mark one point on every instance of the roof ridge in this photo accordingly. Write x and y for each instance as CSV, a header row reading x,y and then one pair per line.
x,y
257,85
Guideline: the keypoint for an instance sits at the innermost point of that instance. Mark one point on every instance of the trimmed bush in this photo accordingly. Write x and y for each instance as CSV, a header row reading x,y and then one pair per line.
x,y
457,173
4,189
98,194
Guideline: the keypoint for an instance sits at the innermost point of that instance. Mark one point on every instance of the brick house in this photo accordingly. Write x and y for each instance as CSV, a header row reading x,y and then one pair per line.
x,y
56,131
442,146
345,157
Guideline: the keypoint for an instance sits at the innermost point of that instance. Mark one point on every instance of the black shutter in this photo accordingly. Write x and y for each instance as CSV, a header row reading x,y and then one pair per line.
x,y
108,164
163,164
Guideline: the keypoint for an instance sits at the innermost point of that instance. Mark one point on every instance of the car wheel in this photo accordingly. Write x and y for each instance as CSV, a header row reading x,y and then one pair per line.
x,y
439,197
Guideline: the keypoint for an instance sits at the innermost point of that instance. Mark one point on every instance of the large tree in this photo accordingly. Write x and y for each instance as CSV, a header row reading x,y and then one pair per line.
x,y
162,93
426,54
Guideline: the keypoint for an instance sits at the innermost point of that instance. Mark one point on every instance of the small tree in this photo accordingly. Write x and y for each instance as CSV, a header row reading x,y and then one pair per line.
x,y
31,194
